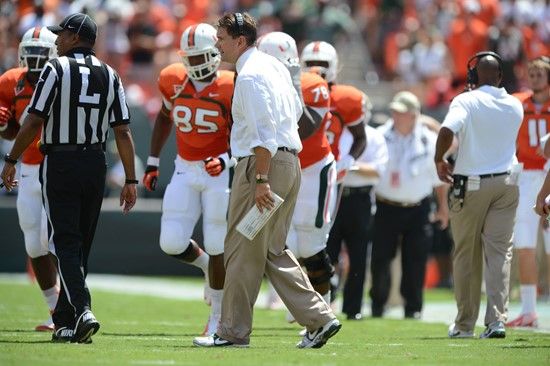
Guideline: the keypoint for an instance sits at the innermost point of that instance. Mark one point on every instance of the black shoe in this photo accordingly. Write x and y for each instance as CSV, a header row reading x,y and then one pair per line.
x,y
86,326
62,335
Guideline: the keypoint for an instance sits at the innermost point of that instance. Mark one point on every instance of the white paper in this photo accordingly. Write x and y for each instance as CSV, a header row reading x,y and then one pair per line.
x,y
254,221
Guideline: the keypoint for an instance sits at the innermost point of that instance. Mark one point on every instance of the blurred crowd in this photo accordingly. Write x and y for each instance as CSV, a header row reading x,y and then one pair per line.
x,y
420,45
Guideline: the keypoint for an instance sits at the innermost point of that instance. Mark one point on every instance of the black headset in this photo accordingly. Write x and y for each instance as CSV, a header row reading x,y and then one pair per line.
x,y
473,78
239,20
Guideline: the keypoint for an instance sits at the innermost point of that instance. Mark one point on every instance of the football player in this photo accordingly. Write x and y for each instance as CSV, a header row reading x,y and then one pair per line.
x,y
197,102
349,108
16,88
316,200
535,125
348,105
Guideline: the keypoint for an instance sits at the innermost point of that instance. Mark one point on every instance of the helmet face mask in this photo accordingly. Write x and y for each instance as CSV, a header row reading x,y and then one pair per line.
x,y
321,58
36,47
198,51
281,46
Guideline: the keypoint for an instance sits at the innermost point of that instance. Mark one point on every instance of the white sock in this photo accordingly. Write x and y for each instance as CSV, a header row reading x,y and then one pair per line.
x,y
51,295
202,262
528,298
216,296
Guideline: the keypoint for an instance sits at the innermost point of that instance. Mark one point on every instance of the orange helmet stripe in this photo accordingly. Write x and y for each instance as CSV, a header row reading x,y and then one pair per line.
x,y
316,46
36,33
191,38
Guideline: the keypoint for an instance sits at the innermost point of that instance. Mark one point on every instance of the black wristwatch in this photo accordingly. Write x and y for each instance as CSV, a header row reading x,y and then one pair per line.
x,y
131,181
9,160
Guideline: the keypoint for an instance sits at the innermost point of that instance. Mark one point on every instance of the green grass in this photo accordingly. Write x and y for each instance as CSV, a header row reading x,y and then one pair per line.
x,y
141,330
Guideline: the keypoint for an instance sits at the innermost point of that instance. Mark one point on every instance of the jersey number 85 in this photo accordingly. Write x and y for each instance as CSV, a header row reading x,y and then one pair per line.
x,y
182,116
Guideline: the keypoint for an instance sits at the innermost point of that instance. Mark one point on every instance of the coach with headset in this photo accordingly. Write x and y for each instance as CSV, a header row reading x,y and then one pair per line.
x,y
486,120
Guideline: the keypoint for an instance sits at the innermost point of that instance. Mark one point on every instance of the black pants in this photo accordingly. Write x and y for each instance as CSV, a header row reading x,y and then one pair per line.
x,y
409,226
351,226
72,191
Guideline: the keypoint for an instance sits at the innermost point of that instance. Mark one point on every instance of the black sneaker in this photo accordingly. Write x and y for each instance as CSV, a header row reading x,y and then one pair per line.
x,y
62,335
86,326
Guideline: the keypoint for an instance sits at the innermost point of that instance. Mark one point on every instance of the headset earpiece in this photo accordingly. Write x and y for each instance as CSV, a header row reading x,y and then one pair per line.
x,y
472,77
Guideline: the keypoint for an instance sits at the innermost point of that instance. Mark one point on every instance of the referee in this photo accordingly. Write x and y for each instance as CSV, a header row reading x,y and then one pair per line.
x,y
75,101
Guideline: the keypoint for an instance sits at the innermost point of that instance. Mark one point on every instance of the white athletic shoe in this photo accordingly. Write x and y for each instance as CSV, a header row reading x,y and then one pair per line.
x,y
319,337
215,341
454,332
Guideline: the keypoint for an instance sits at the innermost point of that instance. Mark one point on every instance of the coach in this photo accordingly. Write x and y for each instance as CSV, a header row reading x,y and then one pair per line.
x,y
75,100
484,196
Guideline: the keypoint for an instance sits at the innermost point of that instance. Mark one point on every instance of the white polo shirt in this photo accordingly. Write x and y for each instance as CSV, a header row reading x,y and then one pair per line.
x,y
486,121
266,108
410,175
375,154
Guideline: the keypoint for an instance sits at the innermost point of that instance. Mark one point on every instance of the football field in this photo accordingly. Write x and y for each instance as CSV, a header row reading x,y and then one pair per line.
x,y
157,328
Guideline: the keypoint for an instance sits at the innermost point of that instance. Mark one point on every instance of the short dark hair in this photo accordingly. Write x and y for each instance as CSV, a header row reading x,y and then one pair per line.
x,y
239,24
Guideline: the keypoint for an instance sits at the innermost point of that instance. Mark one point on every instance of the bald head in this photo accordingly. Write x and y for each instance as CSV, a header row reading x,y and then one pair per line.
x,y
488,71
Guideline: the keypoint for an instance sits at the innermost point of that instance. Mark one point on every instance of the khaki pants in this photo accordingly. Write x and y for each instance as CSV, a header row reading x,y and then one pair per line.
x,y
246,261
482,230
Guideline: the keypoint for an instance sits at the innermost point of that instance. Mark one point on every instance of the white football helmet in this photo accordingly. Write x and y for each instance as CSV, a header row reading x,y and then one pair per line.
x,y
200,40
281,46
320,52
36,47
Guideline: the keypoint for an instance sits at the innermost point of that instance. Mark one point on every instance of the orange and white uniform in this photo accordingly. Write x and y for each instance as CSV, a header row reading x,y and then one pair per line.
x,y
15,94
316,199
201,113
348,108
535,125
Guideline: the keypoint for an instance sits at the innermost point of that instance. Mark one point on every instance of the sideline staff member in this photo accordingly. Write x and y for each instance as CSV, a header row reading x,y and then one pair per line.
x,y
265,139
485,196
403,205
76,99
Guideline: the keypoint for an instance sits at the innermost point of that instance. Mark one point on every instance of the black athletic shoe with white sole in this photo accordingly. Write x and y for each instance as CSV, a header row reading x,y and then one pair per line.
x,y
65,335
86,326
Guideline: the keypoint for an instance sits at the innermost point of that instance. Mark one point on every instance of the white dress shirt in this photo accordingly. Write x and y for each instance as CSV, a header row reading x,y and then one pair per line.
x,y
487,121
376,154
411,174
266,108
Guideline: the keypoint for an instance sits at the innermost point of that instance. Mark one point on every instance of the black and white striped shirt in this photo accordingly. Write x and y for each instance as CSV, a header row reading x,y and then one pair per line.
x,y
79,97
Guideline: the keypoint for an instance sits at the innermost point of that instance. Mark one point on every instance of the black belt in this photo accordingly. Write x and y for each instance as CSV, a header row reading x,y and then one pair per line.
x,y
45,149
348,191
493,175
400,204
292,151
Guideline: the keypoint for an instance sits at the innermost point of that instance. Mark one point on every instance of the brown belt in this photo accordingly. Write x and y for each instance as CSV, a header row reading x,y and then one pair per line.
x,y
396,203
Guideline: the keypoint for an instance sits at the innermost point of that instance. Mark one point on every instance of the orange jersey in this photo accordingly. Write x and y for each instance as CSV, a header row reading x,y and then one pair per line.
x,y
15,94
348,108
202,119
536,124
316,96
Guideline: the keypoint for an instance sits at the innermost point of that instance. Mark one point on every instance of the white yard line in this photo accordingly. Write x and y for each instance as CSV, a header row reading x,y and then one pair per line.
x,y
434,312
